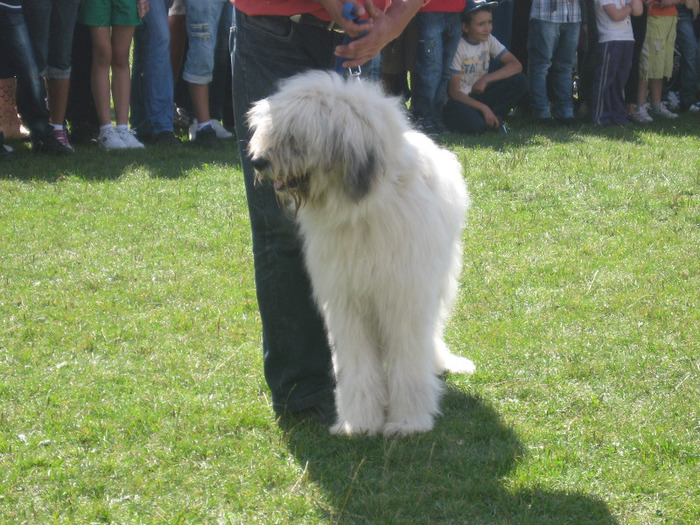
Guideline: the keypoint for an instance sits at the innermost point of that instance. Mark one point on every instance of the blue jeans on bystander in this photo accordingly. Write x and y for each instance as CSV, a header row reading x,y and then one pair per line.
x,y
17,56
152,91
552,51
438,37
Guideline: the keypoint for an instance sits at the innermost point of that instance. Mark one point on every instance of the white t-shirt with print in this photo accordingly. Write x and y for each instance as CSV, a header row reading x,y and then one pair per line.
x,y
608,29
472,59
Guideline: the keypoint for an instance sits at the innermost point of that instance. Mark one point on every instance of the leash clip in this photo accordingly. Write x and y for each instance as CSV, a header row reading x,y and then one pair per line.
x,y
349,14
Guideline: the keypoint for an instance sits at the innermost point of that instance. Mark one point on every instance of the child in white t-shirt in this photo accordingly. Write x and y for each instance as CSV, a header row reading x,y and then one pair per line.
x,y
613,59
479,99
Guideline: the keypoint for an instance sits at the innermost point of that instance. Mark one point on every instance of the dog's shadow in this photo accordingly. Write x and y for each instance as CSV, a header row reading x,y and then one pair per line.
x,y
454,474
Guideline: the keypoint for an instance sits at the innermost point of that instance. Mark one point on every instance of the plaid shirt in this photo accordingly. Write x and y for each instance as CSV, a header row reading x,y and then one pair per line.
x,y
556,10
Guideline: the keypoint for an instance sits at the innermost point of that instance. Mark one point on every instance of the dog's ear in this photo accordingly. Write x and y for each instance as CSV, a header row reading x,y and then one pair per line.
x,y
357,161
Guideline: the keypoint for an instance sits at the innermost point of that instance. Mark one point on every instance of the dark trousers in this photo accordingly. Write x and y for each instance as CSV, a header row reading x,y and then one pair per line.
x,y
16,53
501,96
613,64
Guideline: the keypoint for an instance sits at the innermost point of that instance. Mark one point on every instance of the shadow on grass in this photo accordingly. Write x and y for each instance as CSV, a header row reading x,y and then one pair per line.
x,y
91,164
453,474
524,133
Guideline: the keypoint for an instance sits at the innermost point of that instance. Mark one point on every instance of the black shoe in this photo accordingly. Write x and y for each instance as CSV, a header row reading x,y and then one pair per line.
x,y
206,138
165,138
323,413
51,145
83,132
567,122
5,151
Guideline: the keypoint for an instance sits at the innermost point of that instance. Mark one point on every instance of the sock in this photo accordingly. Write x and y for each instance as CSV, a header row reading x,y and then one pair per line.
x,y
106,127
122,126
57,127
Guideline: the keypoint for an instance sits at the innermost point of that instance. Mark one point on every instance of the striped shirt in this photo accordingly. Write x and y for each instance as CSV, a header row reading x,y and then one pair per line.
x,y
556,10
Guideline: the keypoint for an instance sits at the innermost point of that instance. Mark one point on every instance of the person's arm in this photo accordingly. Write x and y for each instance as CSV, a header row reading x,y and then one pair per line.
x,y
456,94
381,27
511,66
617,14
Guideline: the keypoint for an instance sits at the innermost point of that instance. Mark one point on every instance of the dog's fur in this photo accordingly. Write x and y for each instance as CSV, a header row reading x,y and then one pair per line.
x,y
380,209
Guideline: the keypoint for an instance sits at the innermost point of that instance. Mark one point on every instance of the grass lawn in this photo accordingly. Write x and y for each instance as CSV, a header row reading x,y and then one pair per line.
x,y
131,386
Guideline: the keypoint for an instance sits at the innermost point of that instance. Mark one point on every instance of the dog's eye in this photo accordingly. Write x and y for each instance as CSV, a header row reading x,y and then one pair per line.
x,y
259,163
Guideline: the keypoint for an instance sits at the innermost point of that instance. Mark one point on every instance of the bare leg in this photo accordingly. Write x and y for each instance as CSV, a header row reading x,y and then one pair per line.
x,y
121,78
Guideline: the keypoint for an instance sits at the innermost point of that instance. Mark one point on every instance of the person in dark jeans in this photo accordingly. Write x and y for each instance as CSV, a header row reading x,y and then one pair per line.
x,y
269,43
16,54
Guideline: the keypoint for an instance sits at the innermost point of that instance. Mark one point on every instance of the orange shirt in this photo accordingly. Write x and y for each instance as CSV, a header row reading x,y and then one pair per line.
x,y
655,9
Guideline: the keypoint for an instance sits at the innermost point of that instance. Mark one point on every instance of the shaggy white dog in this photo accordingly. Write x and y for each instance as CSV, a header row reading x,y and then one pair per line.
x,y
380,209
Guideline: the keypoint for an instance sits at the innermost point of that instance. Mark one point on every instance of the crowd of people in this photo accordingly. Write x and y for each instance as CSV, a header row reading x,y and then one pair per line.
x,y
458,62
200,65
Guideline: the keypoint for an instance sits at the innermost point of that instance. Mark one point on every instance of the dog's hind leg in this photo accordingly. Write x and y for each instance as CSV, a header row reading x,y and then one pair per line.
x,y
448,362
360,382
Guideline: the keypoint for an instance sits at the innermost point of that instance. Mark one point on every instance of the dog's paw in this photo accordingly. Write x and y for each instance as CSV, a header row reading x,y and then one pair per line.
x,y
407,427
344,428
459,365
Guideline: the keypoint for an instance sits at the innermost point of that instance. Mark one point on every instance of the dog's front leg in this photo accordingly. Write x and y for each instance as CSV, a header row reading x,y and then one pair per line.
x,y
414,387
360,388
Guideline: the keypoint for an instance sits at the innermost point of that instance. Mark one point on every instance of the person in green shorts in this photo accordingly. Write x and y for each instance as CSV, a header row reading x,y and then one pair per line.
x,y
112,24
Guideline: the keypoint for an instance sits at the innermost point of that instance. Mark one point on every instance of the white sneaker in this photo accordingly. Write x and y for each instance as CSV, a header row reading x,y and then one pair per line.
x,y
661,110
674,100
641,115
694,107
129,139
221,132
110,140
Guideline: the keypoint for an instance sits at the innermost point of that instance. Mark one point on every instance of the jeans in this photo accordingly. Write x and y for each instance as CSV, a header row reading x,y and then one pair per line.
x,y
501,96
296,354
50,24
552,48
503,22
438,37
16,52
220,87
202,29
152,104
687,44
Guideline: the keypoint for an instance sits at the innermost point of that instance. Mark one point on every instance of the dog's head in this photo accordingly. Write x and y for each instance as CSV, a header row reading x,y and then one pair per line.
x,y
321,137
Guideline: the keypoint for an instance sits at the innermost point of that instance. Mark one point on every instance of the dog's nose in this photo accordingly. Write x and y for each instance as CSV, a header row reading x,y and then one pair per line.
x,y
259,163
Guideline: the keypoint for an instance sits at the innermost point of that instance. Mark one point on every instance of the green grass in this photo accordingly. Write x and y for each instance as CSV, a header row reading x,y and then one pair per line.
x,y
131,387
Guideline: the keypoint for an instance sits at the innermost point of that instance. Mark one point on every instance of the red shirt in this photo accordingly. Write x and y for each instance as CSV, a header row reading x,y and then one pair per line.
x,y
289,7
445,6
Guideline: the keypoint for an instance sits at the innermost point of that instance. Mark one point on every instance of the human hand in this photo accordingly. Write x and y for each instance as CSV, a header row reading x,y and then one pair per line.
x,y
143,7
490,117
381,28
479,86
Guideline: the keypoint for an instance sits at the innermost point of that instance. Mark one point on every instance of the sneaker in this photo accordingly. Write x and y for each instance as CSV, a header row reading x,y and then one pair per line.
x,y
661,110
50,144
129,139
110,140
674,101
641,115
691,108
221,132
165,138
180,119
206,138
62,136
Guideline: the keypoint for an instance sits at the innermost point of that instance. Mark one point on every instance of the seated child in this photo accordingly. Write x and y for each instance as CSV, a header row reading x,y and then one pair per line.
x,y
479,100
